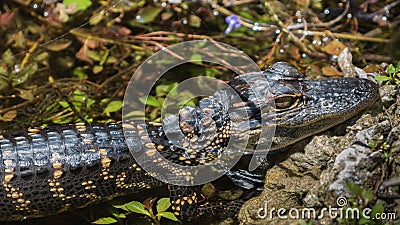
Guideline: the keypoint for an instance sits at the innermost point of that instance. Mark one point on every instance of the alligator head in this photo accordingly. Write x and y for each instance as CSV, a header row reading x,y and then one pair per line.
x,y
283,100
303,107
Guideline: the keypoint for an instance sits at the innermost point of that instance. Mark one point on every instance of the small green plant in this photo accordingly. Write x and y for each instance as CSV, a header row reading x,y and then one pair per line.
x,y
393,75
380,145
303,222
145,208
362,201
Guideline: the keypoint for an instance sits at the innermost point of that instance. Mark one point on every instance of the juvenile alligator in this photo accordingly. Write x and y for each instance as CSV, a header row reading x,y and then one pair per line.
x,y
50,170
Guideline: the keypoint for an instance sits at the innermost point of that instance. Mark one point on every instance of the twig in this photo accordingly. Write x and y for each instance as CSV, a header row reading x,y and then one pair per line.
x,y
394,196
14,107
386,8
161,47
72,106
62,115
229,3
269,55
283,28
326,24
78,33
392,182
29,53
381,58
344,36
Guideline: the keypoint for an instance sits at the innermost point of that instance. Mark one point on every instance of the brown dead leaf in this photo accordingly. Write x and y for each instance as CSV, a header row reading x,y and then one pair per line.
x,y
9,116
82,54
334,47
331,72
90,43
294,52
123,30
372,68
6,19
58,45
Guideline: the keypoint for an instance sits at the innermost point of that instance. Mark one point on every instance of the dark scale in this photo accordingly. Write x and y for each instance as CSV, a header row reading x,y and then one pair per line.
x,y
50,170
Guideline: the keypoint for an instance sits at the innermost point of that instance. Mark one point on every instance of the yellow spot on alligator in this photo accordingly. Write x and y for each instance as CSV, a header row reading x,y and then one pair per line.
x,y
88,185
8,177
33,131
151,153
57,174
57,190
57,165
9,170
106,162
21,204
150,145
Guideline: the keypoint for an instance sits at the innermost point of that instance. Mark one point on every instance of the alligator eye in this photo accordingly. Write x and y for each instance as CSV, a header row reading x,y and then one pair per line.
x,y
285,102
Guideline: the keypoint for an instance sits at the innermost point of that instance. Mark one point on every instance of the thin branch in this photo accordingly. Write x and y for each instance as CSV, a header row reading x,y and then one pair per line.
x,y
326,24
344,36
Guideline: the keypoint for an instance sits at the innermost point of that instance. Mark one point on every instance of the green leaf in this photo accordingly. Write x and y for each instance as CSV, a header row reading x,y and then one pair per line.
x,y
194,21
23,75
97,69
136,114
105,220
80,4
90,102
303,222
390,69
212,72
164,89
363,220
137,207
382,78
79,73
94,55
123,207
163,204
150,100
196,58
61,120
116,213
378,208
147,14
97,18
79,96
64,104
354,188
245,15
168,215
368,195
113,106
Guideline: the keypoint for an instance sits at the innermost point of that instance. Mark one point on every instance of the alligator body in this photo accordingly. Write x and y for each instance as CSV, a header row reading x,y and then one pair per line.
x,y
50,170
